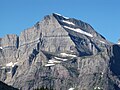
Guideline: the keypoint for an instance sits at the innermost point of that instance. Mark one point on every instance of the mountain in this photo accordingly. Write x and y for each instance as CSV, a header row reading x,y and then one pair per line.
x,y
60,53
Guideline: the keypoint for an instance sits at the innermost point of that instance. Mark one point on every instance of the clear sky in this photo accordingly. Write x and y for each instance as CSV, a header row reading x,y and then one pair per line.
x,y
103,15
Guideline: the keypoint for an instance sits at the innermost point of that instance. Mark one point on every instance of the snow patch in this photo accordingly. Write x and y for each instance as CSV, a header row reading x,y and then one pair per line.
x,y
9,72
65,17
58,14
71,88
102,42
71,51
97,88
62,59
54,61
1,47
79,31
3,67
16,63
67,55
11,64
68,22
102,73
61,15
118,43
50,64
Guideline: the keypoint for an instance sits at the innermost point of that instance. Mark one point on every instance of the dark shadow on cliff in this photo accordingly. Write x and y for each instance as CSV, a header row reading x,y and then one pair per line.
x,y
115,60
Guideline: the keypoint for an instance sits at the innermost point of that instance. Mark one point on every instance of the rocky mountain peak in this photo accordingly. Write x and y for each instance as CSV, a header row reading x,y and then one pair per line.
x,y
60,53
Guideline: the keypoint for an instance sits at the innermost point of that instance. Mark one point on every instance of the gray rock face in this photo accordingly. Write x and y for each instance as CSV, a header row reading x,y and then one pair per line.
x,y
9,45
9,40
60,53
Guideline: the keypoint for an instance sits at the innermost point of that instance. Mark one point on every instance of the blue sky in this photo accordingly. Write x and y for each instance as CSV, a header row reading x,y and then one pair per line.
x,y
103,15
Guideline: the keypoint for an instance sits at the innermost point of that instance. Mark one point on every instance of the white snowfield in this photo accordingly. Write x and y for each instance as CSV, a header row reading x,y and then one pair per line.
x,y
61,59
54,61
61,15
9,72
97,88
71,88
49,64
71,51
71,23
102,42
58,14
3,67
67,55
79,31
1,48
118,43
11,64
16,63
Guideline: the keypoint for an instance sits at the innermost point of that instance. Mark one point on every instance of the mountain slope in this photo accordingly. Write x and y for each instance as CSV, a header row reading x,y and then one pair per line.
x,y
61,53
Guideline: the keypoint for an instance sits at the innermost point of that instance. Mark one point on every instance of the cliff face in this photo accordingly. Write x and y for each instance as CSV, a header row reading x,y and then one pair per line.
x,y
61,53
